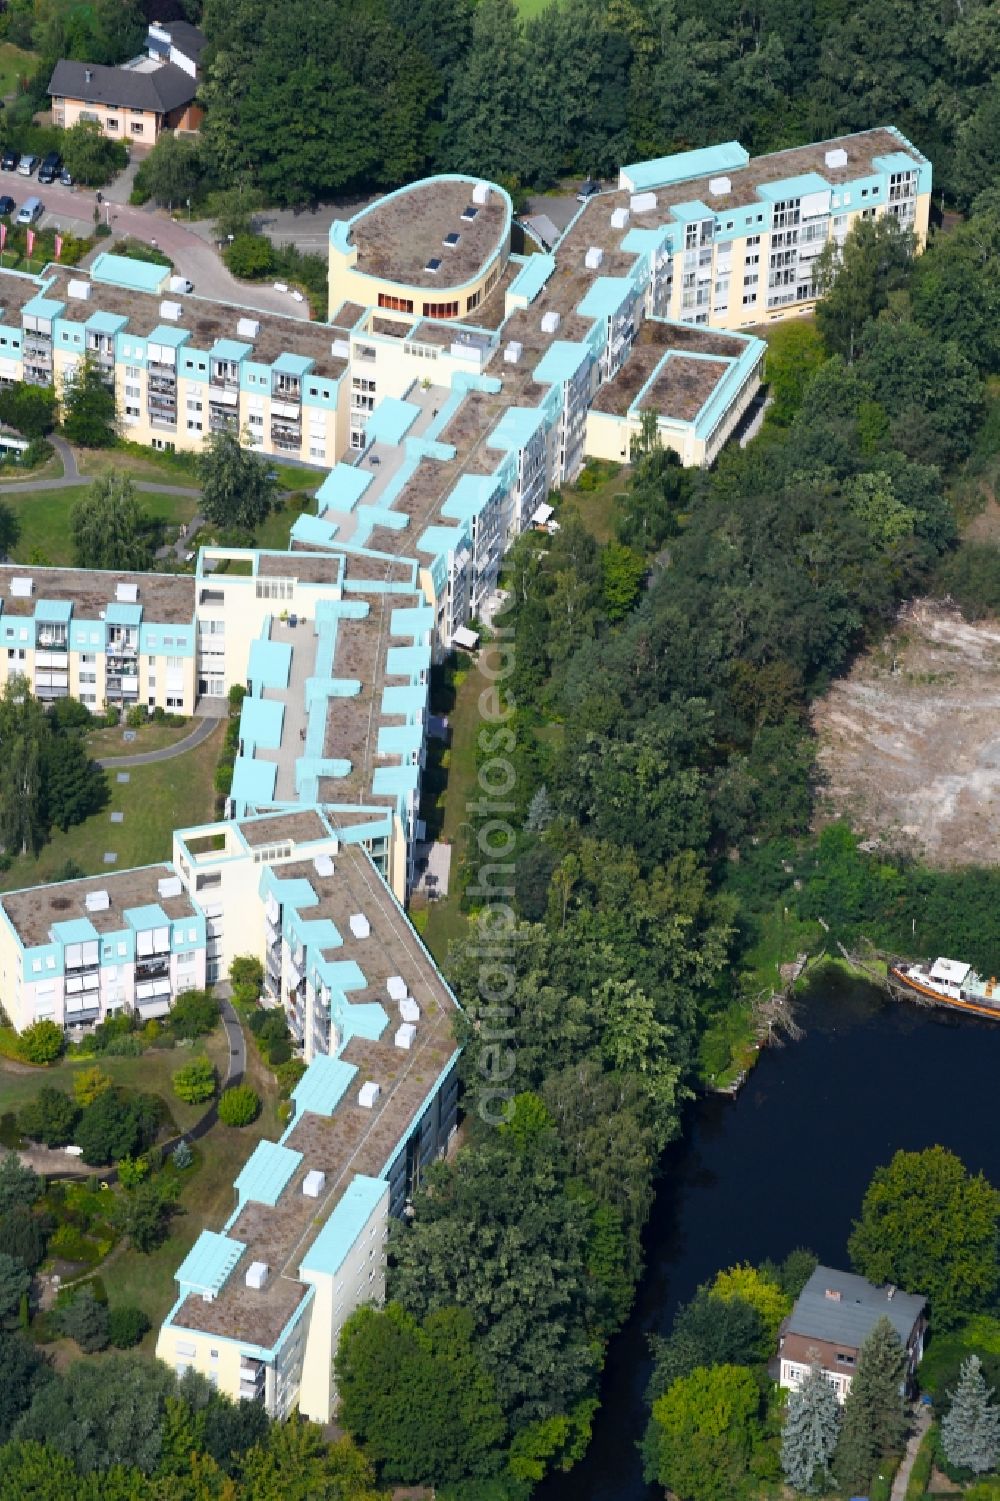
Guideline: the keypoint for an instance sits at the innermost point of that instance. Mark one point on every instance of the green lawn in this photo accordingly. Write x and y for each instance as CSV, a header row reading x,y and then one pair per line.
x,y
148,737
596,508
14,65
155,800
530,8
449,785
44,518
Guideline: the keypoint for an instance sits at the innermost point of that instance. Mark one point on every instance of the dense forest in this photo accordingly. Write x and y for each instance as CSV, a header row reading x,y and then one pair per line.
x,y
352,97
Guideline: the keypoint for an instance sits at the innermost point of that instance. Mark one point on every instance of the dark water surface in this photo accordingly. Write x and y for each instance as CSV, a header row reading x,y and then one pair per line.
x,y
786,1164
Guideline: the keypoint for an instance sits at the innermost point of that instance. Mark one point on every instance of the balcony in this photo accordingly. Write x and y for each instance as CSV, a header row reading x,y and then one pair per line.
x,y
221,420
286,390
157,967
165,384
224,376
38,346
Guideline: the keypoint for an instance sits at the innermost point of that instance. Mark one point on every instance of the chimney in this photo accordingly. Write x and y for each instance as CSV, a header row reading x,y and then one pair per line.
x,y
88,76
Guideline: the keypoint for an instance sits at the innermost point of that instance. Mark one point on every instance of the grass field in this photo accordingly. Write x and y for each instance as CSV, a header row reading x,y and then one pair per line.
x,y
148,737
44,518
596,508
155,801
527,9
449,785
14,65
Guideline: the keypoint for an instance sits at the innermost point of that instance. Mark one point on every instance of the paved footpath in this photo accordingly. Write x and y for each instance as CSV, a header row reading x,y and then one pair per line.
x,y
921,1423
201,732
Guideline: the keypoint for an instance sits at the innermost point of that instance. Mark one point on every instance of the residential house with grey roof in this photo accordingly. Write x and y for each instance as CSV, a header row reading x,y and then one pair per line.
x,y
833,1316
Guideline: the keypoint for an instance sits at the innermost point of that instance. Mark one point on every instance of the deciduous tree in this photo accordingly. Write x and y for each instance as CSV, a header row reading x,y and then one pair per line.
x,y
109,527
237,488
88,406
701,1433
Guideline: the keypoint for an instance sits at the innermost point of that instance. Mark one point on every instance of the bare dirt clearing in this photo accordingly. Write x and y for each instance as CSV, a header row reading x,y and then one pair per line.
x,y
909,743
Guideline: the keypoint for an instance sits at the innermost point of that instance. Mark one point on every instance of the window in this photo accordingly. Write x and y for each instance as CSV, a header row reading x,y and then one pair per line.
x,y
473,301
440,309
132,372
138,130
110,124
395,304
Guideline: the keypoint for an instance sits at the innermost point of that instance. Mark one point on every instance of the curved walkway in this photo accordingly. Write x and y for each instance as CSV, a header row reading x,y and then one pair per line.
x,y
201,732
74,480
50,1162
71,470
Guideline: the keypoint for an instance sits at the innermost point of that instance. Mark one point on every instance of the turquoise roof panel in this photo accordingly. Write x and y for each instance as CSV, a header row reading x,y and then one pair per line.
x,y
261,722
663,171
793,187
150,916
75,930
323,1085
391,420
605,296
123,271
169,335
210,1261
292,364
266,1172
530,280
253,781
342,488
55,611
42,307
334,1242
560,362
270,663
106,323
119,613
230,349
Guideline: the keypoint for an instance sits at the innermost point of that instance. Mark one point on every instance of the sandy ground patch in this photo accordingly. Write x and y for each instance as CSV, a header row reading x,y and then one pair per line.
x,y
909,743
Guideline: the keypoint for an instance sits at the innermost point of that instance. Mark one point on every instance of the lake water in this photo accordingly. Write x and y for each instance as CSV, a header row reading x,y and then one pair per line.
x,y
786,1164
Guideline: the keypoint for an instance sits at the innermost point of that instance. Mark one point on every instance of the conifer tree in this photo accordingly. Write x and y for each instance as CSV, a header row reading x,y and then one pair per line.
x,y
809,1437
873,1423
970,1430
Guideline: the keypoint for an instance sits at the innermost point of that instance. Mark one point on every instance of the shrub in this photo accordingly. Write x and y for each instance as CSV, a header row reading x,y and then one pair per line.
x,y
89,1083
288,1075
126,1326
195,1082
72,1245
50,1117
182,1156
239,1105
132,1171
193,1014
246,969
43,1042
279,1052
85,1320
249,256
136,717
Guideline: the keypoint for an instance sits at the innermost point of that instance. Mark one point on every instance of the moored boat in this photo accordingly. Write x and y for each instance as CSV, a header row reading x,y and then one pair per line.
x,y
950,983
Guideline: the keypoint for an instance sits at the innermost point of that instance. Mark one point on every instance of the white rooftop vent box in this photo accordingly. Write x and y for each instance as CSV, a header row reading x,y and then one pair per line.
x,y
409,1011
360,926
79,289
836,158
620,218
169,886
641,203
248,328
481,193
312,1183
257,1274
127,594
171,311
21,588
405,1035
550,322
323,865
593,258
396,986
341,349
368,1094
512,353
717,186
97,901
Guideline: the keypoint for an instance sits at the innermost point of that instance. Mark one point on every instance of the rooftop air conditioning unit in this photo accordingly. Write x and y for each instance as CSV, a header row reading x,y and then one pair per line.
x,y
409,1011
718,186
620,218
97,901
836,158
396,986
593,258
405,1035
512,353
323,865
642,203
171,311
368,1094
257,1274
127,594
21,588
169,886
79,289
360,926
481,193
248,328
341,349
550,322
312,1183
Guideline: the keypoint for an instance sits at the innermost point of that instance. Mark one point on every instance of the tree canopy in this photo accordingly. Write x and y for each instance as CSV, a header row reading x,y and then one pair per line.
x,y
109,527
238,491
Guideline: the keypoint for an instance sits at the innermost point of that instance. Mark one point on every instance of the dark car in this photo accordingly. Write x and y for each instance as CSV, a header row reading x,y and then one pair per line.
x,y
50,168
7,205
9,160
66,177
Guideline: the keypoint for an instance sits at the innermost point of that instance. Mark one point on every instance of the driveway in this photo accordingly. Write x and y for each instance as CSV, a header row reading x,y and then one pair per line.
x,y
192,255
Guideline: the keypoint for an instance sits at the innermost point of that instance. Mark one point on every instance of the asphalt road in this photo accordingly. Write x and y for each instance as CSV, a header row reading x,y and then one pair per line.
x,y
73,209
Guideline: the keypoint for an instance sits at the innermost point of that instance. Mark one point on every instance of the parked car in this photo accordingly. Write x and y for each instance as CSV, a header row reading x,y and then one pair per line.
x,y
31,210
7,205
50,168
587,190
27,164
66,177
9,160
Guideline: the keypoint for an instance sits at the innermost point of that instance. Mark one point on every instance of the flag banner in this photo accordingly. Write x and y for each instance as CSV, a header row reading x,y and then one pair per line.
x,y
58,246
31,240
3,235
